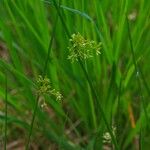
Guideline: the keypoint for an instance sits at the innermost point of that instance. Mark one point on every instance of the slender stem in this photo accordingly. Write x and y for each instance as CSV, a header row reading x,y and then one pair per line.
x,y
49,47
99,104
61,18
93,111
138,82
32,123
6,90
43,74
89,81
137,71
118,116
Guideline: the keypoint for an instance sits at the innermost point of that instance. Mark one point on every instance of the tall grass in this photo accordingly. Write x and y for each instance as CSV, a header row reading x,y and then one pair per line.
x,y
105,91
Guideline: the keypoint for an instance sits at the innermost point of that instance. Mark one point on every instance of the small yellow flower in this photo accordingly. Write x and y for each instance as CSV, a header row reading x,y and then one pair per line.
x,y
44,87
81,48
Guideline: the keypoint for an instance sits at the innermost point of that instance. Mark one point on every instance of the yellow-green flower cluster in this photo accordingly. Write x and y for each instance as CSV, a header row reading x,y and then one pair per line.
x,y
81,48
107,136
44,87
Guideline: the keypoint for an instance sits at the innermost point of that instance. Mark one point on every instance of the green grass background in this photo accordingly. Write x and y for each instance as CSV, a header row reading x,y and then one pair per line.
x,y
120,75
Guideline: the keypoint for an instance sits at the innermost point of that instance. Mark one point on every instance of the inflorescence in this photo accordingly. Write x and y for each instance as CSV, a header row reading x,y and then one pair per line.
x,y
81,48
44,87
107,136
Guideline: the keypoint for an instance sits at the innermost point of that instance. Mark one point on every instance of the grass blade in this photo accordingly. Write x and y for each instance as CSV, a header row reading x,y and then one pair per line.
x,y
6,90
137,70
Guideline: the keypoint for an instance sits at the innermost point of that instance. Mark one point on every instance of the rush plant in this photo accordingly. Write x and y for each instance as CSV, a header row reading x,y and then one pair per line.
x,y
93,60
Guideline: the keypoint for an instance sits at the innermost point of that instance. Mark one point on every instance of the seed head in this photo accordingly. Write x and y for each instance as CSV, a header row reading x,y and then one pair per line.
x,y
107,136
81,48
44,87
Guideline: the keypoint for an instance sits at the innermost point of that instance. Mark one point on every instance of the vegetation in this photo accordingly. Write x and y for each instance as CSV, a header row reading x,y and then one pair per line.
x,y
74,74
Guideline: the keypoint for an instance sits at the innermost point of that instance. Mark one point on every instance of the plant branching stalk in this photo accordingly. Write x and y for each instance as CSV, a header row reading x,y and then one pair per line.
x,y
43,74
89,81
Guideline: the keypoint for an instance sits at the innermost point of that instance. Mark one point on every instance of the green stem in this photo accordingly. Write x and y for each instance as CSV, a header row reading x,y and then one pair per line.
x,y
137,71
89,81
49,47
61,18
91,102
6,90
32,123
99,104
43,74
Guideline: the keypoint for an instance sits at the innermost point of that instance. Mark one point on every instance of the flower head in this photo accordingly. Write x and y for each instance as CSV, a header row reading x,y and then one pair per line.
x,y
107,136
44,87
82,48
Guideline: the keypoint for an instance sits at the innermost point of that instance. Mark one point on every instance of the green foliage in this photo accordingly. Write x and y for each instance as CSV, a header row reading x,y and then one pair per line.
x,y
99,91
